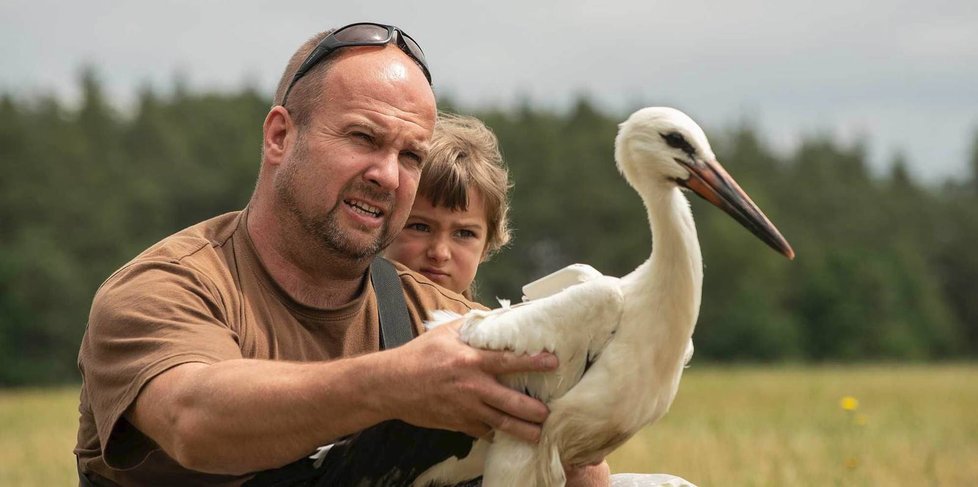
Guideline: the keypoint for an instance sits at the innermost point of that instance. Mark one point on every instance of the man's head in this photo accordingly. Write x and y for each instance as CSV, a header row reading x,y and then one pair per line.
x,y
341,161
314,57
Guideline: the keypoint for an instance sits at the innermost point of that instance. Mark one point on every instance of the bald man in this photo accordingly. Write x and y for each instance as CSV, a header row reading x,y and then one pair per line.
x,y
244,342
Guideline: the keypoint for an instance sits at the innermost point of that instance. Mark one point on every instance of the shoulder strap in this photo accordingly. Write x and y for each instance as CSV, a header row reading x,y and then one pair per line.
x,y
395,323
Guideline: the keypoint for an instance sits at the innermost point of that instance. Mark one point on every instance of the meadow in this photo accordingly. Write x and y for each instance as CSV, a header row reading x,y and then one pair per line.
x,y
732,426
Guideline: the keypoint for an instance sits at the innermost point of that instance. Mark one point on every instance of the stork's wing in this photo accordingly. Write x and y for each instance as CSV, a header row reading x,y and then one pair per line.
x,y
575,324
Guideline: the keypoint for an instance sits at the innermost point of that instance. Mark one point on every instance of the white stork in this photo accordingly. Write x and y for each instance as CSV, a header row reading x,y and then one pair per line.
x,y
621,343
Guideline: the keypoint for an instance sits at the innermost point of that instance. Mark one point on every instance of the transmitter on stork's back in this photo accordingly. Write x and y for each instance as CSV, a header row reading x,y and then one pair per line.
x,y
621,343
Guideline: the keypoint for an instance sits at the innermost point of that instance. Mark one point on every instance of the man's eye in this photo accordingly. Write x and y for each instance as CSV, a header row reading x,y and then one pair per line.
x,y
365,137
413,157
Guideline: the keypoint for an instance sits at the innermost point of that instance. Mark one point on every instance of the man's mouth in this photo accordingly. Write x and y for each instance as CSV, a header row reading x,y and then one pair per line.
x,y
364,208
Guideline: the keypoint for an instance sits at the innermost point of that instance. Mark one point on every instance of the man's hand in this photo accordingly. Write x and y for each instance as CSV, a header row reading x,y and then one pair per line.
x,y
440,382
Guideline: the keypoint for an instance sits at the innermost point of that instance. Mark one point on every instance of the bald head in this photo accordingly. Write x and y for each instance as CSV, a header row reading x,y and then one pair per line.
x,y
306,91
384,74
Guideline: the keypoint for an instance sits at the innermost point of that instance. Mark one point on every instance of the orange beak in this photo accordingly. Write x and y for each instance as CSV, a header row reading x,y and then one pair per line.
x,y
709,180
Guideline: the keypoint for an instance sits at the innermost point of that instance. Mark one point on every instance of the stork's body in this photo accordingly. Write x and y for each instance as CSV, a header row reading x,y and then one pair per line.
x,y
636,376
631,335
640,354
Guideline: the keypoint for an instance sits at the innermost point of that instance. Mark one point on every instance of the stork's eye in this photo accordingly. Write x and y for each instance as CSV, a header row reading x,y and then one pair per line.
x,y
677,141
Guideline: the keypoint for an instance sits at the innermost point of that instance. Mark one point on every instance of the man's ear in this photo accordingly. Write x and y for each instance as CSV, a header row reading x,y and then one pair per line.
x,y
276,132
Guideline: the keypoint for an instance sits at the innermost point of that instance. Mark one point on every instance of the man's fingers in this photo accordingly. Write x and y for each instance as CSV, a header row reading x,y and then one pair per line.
x,y
510,411
529,432
515,404
523,430
498,363
478,430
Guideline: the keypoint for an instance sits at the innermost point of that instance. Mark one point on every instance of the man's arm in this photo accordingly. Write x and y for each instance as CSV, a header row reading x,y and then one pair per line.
x,y
240,416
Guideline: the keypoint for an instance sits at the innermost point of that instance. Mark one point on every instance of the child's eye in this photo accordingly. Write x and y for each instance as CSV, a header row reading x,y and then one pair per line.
x,y
463,233
418,227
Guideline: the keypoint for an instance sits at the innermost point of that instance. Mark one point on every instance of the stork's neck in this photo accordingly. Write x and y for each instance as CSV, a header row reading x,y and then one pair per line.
x,y
667,287
675,245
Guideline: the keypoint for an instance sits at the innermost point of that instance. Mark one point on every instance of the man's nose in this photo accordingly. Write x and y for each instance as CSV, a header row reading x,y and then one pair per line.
x,y
384,172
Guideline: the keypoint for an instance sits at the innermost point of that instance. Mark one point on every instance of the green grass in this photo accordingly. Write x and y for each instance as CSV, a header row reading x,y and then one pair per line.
x,y
751,426
37,436
914,425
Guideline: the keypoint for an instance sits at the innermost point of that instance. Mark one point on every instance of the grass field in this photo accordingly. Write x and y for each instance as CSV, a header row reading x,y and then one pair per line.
x,y
739,426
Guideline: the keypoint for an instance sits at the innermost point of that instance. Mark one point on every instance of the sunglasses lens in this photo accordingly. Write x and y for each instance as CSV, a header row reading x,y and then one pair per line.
x,y
364,33
413,47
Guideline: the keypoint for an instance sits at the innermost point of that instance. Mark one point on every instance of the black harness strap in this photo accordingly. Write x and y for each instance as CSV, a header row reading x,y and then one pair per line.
x,y
395,322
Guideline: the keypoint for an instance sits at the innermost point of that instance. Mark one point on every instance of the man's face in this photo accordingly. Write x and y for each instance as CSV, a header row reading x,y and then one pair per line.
x,y
351,176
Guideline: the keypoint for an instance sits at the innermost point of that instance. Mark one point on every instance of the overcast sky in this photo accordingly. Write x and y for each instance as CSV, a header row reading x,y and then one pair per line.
x,y
902,73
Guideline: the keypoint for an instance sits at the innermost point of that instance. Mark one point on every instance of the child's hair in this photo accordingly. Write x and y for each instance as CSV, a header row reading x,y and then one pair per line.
x,y
464,152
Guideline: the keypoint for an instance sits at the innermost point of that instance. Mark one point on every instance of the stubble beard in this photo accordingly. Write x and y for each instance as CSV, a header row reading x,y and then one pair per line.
x,y
327,230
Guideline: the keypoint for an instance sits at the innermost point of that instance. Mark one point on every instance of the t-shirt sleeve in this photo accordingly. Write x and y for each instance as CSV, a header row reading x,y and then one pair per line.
x,y
145,319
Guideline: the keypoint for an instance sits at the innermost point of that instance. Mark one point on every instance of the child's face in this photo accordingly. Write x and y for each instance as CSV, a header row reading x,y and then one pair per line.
x,y
446,246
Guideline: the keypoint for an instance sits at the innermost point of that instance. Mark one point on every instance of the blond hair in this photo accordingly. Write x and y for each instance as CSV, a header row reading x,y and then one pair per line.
x,y
465,155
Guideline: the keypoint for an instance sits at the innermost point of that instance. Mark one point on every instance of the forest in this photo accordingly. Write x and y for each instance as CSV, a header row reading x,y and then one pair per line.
x,y
885,269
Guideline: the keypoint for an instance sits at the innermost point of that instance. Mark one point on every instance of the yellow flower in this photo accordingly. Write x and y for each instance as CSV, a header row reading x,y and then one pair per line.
x,y
849,403
851,463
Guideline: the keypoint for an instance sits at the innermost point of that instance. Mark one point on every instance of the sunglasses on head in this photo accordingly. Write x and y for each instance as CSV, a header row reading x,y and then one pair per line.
x,y
360,34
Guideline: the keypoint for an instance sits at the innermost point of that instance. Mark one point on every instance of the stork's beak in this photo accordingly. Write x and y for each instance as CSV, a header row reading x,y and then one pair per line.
x,y
710,180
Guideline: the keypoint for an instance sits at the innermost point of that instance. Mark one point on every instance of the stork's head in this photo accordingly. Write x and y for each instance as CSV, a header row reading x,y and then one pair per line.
x,y
662,146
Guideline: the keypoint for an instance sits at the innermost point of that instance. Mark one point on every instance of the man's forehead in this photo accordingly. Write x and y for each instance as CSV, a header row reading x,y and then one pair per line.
x,y
386,62
386,75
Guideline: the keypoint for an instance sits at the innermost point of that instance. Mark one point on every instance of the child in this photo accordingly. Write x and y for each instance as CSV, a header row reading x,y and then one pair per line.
x,y
459,220
459,217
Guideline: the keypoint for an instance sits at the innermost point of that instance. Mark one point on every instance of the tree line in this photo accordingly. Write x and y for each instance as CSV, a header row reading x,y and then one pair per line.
x,y
885,269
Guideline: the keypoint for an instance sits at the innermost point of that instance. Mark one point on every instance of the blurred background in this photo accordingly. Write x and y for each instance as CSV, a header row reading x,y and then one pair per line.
x,y
853,125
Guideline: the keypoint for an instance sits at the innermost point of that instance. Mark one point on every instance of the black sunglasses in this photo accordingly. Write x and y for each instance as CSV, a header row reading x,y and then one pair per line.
x,y
360,34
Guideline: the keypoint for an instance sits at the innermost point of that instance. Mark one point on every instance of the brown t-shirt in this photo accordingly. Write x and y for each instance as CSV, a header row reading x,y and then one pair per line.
x,y
203,295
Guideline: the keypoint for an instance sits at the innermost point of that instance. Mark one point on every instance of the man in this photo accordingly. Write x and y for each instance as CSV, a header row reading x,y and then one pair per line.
x,y
244,342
